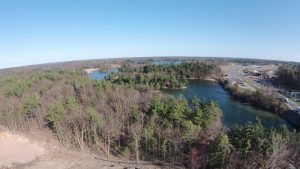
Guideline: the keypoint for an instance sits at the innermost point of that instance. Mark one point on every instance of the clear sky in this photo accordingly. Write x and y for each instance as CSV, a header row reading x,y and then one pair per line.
x,y
44,31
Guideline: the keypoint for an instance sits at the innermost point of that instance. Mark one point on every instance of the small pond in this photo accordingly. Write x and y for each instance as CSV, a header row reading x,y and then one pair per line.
x,y
97,74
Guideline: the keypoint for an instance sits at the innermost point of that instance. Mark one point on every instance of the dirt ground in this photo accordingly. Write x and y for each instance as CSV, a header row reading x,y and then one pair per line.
x,y
17,149
19,152
75,160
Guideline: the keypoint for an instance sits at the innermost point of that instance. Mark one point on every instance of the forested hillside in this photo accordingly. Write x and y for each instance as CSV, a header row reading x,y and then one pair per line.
x,y
103,116
122,119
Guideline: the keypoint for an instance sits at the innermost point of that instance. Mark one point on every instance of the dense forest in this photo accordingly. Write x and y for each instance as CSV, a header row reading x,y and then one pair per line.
x,y
99,115
163,76
288,76
119,118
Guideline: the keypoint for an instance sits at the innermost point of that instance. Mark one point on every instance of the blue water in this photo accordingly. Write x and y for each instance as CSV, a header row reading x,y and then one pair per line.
x,y
98,75
233,110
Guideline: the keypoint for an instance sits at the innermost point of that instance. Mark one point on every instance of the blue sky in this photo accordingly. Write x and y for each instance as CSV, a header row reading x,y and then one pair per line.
x,y
43,31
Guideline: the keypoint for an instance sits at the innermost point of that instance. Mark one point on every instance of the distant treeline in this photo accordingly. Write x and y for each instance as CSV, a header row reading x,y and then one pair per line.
x,y
288,76
70,65
163,76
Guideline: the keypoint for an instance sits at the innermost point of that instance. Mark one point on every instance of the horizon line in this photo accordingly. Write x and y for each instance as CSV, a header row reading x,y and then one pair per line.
x,y
141,57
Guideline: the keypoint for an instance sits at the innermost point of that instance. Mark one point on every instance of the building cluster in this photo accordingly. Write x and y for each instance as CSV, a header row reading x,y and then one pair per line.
x,y
258,74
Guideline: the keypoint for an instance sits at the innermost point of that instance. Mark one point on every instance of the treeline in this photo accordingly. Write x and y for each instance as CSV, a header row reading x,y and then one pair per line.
x,y
163,76
264,98
288,76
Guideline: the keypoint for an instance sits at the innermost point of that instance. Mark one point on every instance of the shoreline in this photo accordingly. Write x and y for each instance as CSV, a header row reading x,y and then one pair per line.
x,y
286,115
207,79
210,79
90,70
179,88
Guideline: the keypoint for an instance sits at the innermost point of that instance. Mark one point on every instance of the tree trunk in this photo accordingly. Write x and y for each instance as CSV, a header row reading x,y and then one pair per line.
x,y
38,119
59,137
158,147
137,150
108,146
81,140
146,146
78,137
95,134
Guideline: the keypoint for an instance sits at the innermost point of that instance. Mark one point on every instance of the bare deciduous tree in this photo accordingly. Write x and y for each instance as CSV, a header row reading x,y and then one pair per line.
x,y
136,130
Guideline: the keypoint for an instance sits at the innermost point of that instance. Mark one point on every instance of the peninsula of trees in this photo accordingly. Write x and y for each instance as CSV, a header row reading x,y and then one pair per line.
x,y
163,76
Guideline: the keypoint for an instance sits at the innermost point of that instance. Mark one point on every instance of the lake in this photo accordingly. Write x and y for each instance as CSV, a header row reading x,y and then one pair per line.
x,y
233,110
97,74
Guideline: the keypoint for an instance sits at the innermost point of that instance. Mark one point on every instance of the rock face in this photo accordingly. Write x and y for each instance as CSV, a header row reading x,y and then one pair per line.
x,y
293,117
17,149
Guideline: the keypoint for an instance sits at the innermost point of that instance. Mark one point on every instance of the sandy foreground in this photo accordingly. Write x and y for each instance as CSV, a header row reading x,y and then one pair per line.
x,y
19,152
17,149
